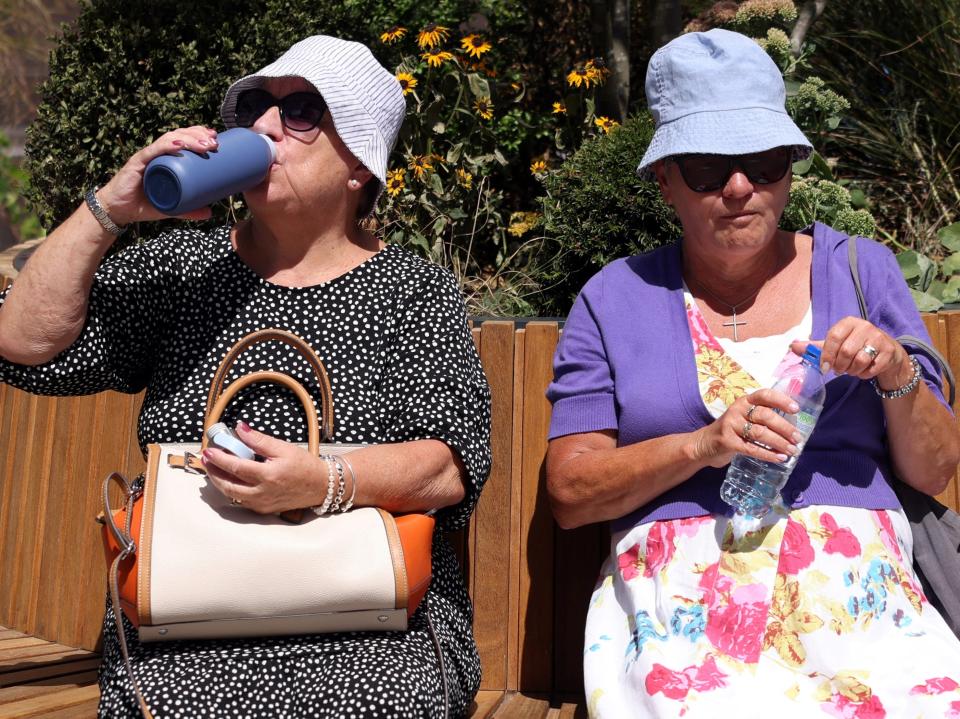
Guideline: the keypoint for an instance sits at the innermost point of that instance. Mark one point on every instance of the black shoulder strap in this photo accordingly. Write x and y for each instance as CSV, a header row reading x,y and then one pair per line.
x,y
932,353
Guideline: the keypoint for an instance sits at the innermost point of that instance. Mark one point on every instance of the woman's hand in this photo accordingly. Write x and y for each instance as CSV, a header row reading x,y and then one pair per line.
x,y
123,197
752,425
289,477
855,347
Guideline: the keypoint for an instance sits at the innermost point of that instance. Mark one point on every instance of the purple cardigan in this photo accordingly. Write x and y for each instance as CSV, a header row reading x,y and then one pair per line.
x,y
625,362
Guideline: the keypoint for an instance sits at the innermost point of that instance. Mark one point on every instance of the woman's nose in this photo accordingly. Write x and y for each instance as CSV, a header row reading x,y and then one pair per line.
x,y
269,123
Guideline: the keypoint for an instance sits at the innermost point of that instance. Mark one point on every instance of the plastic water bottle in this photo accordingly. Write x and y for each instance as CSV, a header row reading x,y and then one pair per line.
x,y
752,486
186,181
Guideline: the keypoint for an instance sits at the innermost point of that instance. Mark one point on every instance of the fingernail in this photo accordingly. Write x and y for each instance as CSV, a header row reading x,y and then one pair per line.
x,y
793,407
205,143
796,437
825,367
792,450
782,457
243,426
207,454
178,143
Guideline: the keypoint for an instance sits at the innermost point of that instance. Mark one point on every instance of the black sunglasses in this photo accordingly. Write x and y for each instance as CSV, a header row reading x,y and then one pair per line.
x,y
299,111
709,173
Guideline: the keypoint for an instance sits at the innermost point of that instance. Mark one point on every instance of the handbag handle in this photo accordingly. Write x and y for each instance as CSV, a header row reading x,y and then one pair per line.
x,y
938,359
305,350
313,428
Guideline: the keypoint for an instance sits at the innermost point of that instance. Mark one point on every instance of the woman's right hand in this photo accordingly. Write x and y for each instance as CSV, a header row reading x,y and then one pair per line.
x,y
123,197
753,426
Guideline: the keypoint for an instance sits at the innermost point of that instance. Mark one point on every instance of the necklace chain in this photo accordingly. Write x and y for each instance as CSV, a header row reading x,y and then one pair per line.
x,y
733,308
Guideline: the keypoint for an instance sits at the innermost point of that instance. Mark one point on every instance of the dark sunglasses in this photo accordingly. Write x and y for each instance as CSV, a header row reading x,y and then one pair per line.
x,y
299,111
709,173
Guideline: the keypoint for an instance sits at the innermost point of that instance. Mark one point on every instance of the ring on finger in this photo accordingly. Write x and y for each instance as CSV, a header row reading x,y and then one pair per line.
x,y
235,501
753,408
870,350
745,433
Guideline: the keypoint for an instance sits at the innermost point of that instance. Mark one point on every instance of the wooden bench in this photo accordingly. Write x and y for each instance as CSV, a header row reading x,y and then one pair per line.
x,y
529,580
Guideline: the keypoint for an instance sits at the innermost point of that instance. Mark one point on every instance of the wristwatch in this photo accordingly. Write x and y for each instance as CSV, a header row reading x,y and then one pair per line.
x,y
101,214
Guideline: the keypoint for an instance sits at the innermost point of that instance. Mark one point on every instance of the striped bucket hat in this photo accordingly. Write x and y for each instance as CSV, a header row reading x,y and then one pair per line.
x,y
364,99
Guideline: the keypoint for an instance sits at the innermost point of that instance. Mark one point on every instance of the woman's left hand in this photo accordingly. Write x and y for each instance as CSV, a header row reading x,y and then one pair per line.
x,y
289,477
857,348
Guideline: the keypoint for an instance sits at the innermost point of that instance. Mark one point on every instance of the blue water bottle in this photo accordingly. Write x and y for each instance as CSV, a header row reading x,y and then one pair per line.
x,y
186,181
752,486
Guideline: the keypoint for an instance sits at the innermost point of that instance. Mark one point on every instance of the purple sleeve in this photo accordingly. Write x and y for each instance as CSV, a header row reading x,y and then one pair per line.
x,y
891,308
582,389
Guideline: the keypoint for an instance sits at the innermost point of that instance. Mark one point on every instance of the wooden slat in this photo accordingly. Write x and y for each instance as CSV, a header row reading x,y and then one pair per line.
x,y
949,346
536,541
520,706
516,516
485,703
491,555
43,706
53,670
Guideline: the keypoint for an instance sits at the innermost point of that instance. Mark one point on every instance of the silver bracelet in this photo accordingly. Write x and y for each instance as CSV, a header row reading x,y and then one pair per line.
x,y
101,214
907,388
353,490
341,486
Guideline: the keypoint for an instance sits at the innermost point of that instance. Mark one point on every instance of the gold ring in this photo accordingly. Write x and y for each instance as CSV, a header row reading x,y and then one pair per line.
x,y
870,350
746,431
236,502
753,408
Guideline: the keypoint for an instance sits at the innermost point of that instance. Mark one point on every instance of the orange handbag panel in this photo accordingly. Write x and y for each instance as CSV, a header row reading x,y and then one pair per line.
x,y
416,537
128,568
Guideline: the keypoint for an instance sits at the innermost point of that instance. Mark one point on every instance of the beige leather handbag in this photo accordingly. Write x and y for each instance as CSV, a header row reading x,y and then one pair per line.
x,y
185,563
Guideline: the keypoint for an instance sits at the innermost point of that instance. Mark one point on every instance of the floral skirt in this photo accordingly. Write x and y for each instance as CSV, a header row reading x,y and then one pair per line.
x,y
816,612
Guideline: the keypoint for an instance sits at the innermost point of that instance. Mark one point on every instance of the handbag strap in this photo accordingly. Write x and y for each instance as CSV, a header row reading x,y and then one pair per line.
x,y
313,429
127,549
297,343
931,352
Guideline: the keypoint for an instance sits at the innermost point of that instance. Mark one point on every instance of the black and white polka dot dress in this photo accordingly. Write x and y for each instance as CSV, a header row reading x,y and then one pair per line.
x,y
392,333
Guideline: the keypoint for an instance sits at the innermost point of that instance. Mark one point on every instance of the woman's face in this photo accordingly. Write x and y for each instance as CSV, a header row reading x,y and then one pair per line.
x,y
313,171
741,215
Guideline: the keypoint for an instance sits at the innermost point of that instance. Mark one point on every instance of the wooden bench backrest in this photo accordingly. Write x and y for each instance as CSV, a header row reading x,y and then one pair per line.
x,y
530,581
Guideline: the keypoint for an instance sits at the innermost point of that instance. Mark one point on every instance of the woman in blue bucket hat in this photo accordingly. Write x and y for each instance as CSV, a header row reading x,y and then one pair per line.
x,y
389,327
658,383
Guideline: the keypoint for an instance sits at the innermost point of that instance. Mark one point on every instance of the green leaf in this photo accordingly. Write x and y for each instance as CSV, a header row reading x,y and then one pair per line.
x,y
951,265
802,167
951,292
500,158
439,226
926,302
950,237
418,240
436,184
478,85
821,168
833,123
453,154
909,262
456,213
858,199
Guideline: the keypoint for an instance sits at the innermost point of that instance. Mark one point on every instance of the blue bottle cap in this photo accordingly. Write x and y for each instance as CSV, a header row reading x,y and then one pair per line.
x,y
812,355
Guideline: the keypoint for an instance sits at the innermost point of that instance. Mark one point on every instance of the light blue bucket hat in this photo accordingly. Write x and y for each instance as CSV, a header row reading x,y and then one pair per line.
x,y
717,92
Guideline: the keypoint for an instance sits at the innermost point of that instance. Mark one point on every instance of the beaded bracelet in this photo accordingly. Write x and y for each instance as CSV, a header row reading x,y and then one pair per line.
x,y
341,486
907,388
320,510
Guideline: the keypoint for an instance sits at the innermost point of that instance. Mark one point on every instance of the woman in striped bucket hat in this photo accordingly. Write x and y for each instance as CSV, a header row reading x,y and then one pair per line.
x,y
390,328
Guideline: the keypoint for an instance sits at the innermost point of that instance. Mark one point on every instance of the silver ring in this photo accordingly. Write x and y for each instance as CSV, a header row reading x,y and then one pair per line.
x,y
236,502
870,350
753,408
746,431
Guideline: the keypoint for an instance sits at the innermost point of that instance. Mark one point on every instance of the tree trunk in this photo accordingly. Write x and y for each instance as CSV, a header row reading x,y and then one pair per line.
x,y
667,21
610,31
811,10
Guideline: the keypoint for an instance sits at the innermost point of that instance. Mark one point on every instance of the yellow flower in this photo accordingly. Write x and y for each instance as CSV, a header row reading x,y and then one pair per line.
x,y
420,165
435,58
432,35
605,123
578,76
559,108
407,82
538,167
396,181
484,107
475,45
522,222
393,34
596,70
464,178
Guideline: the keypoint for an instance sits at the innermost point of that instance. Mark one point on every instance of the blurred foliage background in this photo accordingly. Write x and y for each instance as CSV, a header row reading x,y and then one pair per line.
x,y
525,121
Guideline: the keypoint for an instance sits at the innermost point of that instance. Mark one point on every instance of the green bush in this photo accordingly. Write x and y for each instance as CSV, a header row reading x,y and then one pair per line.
x,y
596,209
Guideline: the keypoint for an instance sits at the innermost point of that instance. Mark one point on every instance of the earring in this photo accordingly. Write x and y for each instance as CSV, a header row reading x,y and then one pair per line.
x,y
354,184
